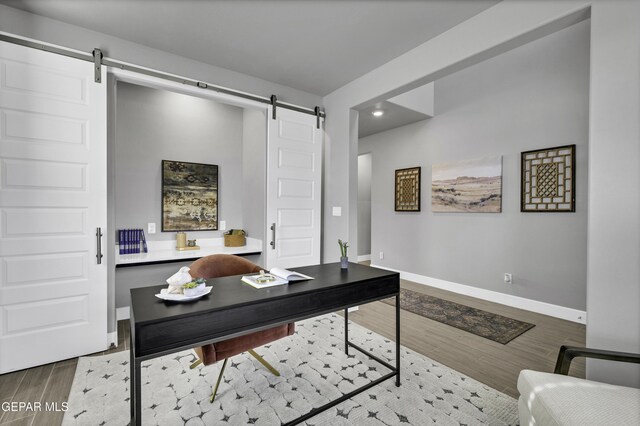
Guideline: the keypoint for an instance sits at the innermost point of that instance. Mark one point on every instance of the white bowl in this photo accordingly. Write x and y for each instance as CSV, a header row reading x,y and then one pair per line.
x,y
189,292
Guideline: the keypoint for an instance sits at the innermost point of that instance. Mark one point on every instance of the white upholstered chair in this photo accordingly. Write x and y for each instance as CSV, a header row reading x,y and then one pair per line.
x,y
558,399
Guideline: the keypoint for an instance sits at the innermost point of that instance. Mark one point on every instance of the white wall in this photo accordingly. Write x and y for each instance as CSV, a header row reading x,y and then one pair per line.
x,y
533,97
364,204
613,289
254,170
507,25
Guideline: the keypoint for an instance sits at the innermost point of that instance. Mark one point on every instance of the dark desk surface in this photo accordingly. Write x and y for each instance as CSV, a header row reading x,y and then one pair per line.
x,y
230,291
234,306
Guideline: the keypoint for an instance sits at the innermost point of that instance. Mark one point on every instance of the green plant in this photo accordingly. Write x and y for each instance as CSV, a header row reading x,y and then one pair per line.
x,y
343,248
193,284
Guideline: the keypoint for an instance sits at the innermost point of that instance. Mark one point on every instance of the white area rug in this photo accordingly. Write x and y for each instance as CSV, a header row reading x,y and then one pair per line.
x,y
314,370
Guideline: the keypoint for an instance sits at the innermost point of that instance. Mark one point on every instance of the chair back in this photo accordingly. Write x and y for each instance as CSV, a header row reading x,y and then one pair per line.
x,y
222,265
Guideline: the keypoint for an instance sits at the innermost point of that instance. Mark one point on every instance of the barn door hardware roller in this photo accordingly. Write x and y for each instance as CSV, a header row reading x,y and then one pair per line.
x,y
317,112
97,65
274,101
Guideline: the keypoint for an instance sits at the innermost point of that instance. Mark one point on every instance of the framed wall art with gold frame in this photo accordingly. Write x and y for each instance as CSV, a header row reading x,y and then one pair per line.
x,y
549,180
407,190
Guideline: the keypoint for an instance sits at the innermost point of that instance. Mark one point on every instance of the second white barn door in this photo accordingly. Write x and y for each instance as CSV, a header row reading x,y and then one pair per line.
x,y
294,180
53,288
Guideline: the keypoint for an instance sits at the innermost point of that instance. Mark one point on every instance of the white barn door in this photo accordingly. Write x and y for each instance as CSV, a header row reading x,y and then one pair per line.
x,y
53,292
294,180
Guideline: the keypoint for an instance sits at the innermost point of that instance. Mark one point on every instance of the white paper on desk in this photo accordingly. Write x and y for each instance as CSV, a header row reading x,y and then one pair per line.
x,y
290,276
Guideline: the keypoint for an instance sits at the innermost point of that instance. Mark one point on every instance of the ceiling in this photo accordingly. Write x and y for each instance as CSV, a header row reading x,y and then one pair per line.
x,y
314,46
394,116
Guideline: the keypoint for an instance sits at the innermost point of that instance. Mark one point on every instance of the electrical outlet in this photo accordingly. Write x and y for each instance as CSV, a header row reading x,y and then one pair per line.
x,y
508,278
151,228
337,211
223,225
381,255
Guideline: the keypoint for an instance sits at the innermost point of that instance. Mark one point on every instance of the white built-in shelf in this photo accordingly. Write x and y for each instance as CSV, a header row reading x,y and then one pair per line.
x,y
165,252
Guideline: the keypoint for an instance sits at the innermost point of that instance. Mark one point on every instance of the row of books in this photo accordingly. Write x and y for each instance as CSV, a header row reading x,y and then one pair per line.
x,y
132,241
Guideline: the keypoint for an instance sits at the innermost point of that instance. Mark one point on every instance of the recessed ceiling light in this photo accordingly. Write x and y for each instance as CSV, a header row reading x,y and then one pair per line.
x,y
377,113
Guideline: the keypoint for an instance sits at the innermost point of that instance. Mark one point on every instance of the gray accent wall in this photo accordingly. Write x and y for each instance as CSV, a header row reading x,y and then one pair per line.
x,y
154,125
533,97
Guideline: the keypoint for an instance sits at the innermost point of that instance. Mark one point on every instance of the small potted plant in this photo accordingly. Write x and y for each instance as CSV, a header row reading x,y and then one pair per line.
x,y
194,287
344,260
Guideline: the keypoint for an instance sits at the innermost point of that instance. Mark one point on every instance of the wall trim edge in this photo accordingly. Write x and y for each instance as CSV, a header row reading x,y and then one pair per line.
x,y
112,339
122,313
544,308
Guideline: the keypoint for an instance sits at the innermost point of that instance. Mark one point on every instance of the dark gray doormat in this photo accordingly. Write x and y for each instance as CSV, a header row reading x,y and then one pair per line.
x,y
481,323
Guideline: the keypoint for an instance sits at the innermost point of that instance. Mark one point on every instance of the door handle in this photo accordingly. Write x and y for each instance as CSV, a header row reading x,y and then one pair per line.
x,y
99,246
273,236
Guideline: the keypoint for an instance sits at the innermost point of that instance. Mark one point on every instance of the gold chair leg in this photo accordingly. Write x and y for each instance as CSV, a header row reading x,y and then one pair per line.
x,y
215,389
264,362
199,357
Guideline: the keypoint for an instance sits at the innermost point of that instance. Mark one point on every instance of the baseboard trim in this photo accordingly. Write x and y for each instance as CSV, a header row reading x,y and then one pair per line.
x,y
364,257
122,313
112,339
544,308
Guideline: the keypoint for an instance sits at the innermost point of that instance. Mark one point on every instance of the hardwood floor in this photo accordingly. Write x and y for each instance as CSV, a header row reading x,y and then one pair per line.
x,y
48,383
492,363
489,362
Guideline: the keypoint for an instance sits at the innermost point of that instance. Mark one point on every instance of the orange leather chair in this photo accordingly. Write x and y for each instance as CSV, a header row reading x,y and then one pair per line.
x,y
222,265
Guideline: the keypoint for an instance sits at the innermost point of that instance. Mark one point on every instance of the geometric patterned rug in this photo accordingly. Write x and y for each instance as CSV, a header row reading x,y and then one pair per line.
x,y
314,369
495,327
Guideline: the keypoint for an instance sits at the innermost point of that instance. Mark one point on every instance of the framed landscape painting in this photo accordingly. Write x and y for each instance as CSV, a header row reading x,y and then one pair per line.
x,y
189,196
473,186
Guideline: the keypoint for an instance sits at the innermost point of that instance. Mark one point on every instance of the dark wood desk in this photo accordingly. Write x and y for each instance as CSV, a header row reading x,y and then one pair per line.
x,y
234,308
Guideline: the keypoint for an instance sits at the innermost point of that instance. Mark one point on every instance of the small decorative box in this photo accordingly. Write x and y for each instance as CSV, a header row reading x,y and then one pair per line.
x,y
235,238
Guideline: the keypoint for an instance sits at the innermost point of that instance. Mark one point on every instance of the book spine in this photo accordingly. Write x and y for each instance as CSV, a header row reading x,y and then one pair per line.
x,y
144,242
127,241
120,241
138,240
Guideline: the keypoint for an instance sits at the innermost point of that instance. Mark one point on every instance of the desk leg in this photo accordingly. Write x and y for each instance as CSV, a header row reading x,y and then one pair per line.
x,y
398,339
135,385
138,392
346,331
132,380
